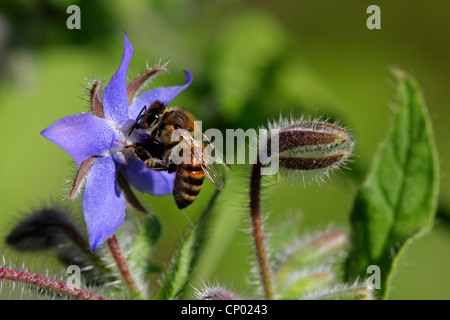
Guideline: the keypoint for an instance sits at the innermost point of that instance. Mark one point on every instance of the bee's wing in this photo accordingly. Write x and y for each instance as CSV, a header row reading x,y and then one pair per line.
x,y
218,152
212,172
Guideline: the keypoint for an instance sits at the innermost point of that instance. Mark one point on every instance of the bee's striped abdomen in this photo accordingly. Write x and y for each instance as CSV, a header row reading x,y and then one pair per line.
x,y
188,183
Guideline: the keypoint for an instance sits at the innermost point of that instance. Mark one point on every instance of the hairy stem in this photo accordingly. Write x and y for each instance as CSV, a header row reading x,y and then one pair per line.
x,y
123,267
258,232
59,287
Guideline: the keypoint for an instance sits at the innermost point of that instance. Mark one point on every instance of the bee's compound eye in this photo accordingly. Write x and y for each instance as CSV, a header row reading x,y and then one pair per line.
x,y
152,118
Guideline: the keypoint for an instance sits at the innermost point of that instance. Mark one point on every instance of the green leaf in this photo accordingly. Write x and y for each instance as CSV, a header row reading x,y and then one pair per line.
x,y
398,200
178,274
185,258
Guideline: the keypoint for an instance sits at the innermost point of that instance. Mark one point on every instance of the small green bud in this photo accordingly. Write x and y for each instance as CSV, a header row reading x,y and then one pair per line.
x,y
315,249
298,283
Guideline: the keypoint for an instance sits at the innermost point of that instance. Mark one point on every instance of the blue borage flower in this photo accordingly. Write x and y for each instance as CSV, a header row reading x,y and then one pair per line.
x,y
98,143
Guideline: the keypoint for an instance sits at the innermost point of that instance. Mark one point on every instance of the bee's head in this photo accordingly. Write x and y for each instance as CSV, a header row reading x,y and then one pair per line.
x,y
151,116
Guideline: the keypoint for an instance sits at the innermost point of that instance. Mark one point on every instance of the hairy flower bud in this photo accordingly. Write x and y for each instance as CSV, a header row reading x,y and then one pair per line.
x,y
305,146
305,280
43,229
311,250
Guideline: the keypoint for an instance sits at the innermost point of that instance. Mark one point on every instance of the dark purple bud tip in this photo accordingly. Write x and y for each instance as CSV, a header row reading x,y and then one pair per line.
x,y
312,163
312,135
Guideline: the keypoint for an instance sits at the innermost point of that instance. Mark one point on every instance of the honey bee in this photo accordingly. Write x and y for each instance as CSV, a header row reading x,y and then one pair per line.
x,y
160,123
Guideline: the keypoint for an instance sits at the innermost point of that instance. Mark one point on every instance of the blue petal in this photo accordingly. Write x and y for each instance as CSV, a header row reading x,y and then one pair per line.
x,y
162,94
82,135
115,104
157,183
103,203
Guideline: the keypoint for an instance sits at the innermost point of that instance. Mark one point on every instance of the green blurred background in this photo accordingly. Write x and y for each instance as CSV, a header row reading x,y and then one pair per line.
x,y
252,61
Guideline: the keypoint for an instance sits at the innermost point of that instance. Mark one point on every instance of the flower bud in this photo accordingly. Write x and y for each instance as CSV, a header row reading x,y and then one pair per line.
x,y
305,280
313,135
305,146
44,228
313,250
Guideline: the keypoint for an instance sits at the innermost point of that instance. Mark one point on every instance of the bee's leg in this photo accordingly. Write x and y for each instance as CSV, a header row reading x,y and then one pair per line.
x,y
168,152
155,164
150,161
